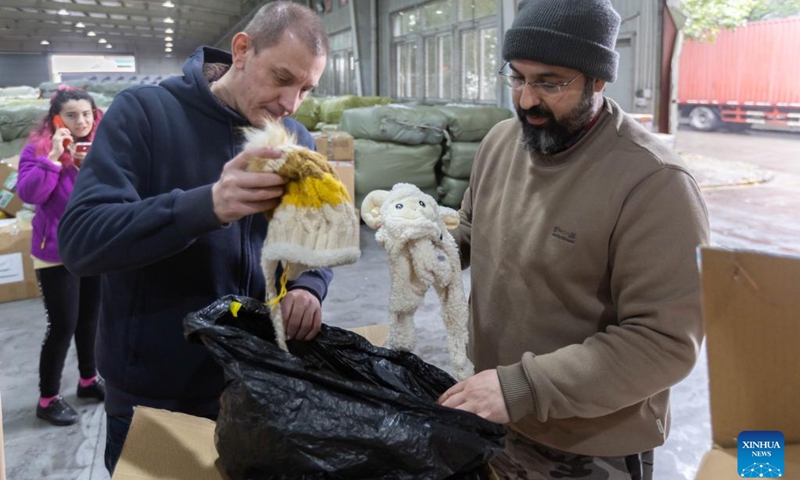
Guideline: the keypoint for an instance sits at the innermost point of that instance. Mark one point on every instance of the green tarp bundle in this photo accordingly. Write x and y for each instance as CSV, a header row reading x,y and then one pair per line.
x,y
457,161
18,92
17,120
396,123
308,113
107,88
451,191
471,124
330,110
48,88
379,165
102,101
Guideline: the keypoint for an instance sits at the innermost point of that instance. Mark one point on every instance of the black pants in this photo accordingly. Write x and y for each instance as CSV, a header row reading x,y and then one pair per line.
x,y
72,306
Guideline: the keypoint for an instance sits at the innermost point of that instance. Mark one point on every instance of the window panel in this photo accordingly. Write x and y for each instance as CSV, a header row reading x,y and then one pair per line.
x,y
341,41
412,70
475,9
405,22
409,22
437,14
470,89
339,72
342,73
489,66
431,79
484,8
425,39
446,67
397,25
406,86
400,71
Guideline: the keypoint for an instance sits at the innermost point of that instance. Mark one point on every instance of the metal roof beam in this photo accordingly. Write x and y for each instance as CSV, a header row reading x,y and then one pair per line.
x,y
227,7
158,13
41,29
212,32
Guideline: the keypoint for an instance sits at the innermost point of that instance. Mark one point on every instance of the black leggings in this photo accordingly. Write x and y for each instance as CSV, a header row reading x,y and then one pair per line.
x,y
72,306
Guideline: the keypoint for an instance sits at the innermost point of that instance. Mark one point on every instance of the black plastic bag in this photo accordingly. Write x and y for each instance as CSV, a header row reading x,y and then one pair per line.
x,y
336,407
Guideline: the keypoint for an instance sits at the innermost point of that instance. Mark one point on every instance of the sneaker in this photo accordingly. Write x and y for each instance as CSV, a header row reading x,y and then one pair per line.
x,y
96,390
59,412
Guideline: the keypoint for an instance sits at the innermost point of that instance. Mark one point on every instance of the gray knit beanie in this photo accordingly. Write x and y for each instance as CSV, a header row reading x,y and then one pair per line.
x,y
576,34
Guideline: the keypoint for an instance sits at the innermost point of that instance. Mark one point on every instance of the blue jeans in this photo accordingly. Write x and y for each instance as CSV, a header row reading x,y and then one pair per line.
x,y
116,432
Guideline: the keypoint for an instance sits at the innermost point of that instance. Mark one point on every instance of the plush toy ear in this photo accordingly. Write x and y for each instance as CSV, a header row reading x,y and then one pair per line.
x,y
449,217
371,207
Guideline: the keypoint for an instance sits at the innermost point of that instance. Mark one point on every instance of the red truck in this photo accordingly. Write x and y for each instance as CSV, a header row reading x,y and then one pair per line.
x,y
750,75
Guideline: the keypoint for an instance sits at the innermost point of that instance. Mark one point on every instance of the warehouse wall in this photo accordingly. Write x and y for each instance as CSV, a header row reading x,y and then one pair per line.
x,y
639,45
159,65
23,69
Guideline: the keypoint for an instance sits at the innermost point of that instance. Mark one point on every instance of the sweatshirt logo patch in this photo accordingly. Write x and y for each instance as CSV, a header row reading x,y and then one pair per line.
x,y
564,235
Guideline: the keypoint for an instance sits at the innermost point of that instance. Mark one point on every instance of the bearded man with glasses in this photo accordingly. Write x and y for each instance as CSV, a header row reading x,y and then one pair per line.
x,y
581,229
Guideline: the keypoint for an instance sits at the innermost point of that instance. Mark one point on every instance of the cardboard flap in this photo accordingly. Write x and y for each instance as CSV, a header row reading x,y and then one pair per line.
x,y
376,334
751,310
168,445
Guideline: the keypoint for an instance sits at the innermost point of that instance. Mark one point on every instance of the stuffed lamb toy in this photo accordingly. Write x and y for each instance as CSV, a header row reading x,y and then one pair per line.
x,y
422,254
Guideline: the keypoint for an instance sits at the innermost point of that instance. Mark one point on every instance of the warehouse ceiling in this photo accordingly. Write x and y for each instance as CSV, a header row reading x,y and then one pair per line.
x,y
129,26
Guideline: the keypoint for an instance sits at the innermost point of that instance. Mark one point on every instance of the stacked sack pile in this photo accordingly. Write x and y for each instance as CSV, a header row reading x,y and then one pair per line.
x,y
103,88
20,110
331,109
466,128
395,143
324,114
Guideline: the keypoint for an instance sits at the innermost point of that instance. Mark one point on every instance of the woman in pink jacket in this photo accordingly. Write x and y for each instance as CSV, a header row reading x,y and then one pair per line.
x,y
48,166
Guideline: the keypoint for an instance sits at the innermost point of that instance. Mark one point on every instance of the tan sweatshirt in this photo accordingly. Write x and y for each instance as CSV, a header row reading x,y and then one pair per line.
x,y
585,286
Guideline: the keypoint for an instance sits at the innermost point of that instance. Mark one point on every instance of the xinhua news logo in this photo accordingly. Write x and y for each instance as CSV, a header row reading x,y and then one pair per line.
x,y
760,454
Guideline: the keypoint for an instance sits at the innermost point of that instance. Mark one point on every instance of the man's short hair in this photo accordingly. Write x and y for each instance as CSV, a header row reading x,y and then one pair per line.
x,y
269,24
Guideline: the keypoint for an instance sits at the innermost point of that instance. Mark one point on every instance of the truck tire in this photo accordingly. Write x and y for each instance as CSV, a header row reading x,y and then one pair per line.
x,y
704,119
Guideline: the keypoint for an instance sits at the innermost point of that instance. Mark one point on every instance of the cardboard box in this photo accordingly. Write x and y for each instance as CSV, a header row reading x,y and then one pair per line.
x,y
337,146
751,310
17,276
13,161
347,174
168,445
10,203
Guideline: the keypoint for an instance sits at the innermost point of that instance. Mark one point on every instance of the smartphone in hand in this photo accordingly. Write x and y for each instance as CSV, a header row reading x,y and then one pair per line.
x,y
82,147
59,123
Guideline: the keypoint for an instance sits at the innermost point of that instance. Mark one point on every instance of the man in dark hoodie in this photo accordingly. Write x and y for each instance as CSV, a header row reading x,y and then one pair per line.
x,y
164,210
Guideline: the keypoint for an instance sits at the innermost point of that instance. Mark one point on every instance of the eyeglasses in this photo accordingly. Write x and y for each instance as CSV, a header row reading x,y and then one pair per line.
x,y
516,82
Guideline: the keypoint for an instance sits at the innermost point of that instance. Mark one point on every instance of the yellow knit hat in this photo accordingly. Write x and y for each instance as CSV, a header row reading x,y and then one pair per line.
x,y
315,225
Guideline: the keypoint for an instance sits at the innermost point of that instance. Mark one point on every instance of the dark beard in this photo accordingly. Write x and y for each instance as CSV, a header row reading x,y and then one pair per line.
x,y
554,136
